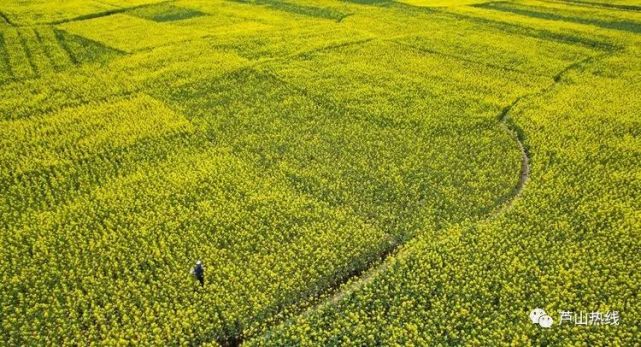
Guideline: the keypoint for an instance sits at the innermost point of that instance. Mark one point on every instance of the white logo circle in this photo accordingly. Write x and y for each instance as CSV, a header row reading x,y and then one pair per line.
x,y
545,321
536,314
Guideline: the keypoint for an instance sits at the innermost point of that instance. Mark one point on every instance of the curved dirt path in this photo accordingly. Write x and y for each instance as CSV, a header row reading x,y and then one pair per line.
x,y
362,277
370,274
350,285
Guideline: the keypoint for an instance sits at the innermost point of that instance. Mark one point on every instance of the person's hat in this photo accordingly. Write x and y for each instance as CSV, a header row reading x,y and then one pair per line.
x,y
198,262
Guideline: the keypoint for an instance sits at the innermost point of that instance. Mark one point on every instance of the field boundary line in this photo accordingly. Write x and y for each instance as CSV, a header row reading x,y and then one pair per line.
x,y
28,54
453,56
6,19
106,13
45,49
4,57
62,41
542,13
536,33
596,4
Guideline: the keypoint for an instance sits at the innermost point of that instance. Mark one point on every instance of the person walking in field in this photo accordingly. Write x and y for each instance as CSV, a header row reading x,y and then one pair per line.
x,y
199,272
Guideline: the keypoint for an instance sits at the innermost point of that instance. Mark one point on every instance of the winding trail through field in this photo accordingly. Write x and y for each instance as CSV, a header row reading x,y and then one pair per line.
x,y
362,277
352,284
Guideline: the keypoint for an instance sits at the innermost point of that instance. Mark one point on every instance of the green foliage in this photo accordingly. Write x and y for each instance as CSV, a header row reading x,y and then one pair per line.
x,y
165,13
371,2
33,52
312,11
5,67
552,14
81,50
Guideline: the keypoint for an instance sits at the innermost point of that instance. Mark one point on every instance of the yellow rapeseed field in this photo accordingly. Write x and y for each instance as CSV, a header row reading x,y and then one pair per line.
x,y
350,173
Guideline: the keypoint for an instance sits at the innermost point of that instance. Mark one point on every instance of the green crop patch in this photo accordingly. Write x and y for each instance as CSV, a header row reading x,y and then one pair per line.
x,y
270,44
576,38
371,2
520,53
81,50
4,20
130,33
299,9
5,68
35,52
20,189
613,6
623,25
165,13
